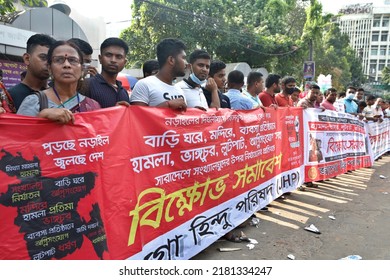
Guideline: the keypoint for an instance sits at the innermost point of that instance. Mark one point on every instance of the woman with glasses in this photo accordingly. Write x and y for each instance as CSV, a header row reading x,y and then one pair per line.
x,y
63,100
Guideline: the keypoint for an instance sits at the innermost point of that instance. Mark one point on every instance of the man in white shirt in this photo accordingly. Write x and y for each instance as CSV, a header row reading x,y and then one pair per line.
x,y
158,90
192,87
372,112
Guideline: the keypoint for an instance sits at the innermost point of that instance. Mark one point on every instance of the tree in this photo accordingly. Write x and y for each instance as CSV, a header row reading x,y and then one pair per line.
x,y
8,6
386,75
254,31
275,34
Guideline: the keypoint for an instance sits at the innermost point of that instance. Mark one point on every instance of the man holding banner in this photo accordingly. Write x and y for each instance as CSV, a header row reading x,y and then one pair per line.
x,y
159,90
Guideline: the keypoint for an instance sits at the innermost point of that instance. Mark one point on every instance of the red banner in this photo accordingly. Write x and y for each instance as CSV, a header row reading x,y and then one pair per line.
x,y
140,182
336,143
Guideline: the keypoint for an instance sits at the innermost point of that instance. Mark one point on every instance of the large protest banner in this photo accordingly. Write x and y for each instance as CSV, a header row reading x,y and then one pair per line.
x,y
334,144
379,135
138,182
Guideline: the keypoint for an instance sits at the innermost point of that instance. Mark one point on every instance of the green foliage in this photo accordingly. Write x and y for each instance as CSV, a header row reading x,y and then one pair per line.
x,y
386,75
252,31
7,6
386,96
275,34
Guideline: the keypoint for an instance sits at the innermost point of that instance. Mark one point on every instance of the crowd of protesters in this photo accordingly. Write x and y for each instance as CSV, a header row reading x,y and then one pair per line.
x,y
60,82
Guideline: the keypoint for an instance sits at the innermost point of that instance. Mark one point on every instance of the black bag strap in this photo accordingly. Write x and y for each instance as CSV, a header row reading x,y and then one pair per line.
x,y
43,101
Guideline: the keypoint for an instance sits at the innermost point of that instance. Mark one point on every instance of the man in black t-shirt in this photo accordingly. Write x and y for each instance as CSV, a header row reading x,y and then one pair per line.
x,y
37,73
218,73
104,87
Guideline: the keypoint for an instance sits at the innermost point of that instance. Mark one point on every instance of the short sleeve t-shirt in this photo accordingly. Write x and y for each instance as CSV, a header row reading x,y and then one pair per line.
x,y
193,96
19,92
152,91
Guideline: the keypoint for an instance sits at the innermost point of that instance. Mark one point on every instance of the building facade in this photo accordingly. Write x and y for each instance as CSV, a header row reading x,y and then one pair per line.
x,y
368,29
58,21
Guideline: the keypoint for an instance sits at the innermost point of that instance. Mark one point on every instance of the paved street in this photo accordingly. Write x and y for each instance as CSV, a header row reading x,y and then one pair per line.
x,y
359,202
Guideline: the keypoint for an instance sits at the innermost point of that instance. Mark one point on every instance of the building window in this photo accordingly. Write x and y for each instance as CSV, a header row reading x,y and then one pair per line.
x,y
385,22
375,36
377,22
384,37
381,65
372,67
383,50
374,51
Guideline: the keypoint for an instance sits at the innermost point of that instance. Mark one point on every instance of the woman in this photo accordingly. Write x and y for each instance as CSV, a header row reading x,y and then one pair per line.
x,y
295,96
65,64
320,98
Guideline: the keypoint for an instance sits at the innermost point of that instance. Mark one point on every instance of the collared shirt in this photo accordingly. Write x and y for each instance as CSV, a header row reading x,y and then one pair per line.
x,y
306,103
350,106
283,101
193,95
104,93
371,110
267,99
238,101
327,105
255,99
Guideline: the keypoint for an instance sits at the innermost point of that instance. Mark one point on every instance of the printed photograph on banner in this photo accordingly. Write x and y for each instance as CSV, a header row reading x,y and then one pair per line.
x,y
336,144
315,145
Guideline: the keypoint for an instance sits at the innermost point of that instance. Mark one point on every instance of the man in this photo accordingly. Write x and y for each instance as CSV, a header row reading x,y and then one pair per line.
x,y
218,74
104,87
359,95
309,100
23,75
87,51
386,112
384,105
372,112
37,74
350,106
238,101
255,85
330,99
272,84
192,87
150,67
158,90
339,103
283,98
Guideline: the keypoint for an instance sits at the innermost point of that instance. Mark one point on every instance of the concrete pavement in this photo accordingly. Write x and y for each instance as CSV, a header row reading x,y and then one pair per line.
x,y
359,202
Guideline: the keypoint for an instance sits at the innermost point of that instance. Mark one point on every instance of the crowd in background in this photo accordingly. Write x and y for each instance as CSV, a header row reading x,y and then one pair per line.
x,y
60,82
62,78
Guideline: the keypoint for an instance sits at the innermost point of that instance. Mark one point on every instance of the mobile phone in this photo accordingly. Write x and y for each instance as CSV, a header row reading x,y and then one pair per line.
x,y
94,63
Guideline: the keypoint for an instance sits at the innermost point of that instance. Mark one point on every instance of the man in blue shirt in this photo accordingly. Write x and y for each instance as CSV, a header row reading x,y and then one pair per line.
x,y
238,101
350,105
255,85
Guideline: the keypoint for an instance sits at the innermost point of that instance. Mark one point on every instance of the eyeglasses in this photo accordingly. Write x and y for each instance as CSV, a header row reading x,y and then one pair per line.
x,y
61,60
